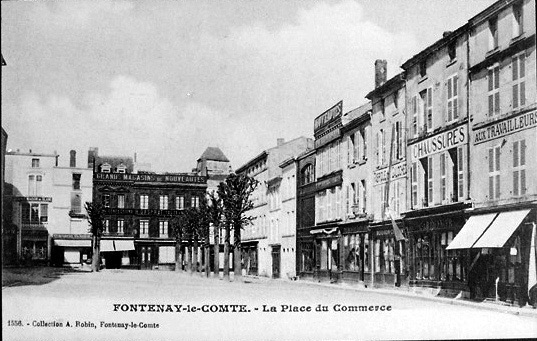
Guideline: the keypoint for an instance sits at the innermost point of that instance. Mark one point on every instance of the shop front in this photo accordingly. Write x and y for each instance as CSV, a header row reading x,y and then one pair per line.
x,y
34,245
250,257
432,266
117,252
500,247
355,258
389,256
71,249
326,245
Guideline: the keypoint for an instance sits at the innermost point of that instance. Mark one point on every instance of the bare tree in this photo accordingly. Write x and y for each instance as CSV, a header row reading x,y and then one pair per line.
x,y
96,220
215,211
178,229
235,193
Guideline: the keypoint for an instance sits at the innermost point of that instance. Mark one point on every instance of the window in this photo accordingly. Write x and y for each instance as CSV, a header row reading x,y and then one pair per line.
x,y
430,180
34,213
35,163
35,185
414,108
452,98
423,68
460,173
180,203
76,180
399,141
107,226
381,147
494,90
519,168
351,149
43,217
396,99
144,201
121,201
493,33
494,173
383,107
106,200
144,228
443,193
519,86
427,101
120,226
414,181
163,228
363,144
76,203
163,202
106,168
517,20
363,190
424,268
195,201
31,185
452,51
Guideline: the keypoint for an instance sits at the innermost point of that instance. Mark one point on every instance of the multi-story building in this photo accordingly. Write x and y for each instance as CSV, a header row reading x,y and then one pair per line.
x,y
28,198
503,146
328,192
357,178
438,160
72,187
138,209
262,240
305,209
389,183
287,217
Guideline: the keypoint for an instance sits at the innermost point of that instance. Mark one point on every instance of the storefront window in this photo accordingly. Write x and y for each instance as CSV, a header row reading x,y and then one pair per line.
x,y
306,257
367,260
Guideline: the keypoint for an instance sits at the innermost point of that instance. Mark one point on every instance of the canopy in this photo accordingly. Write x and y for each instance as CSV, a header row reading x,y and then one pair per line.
x,y
471,231
124,245
107,245
501,229
73,242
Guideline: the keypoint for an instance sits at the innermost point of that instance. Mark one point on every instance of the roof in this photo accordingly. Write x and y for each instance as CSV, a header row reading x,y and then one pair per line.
x,y
395,82
214,154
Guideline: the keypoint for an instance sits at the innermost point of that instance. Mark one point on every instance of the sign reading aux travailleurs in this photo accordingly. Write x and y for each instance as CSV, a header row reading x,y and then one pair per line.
x,y
151,177
328,116
506,127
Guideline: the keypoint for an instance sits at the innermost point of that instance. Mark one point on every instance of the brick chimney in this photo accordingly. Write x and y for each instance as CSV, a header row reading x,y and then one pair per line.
x,y
72,159
380,72
92,154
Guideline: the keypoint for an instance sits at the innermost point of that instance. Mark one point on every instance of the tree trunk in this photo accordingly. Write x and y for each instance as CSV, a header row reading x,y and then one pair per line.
x,y
237,268
226,253
178,256
96,257
207,249
216,255
196,250
189,259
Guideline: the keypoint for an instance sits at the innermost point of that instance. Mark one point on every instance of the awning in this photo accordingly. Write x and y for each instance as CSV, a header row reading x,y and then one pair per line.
x,y
124,245
501,229
471,231
107,245
73,242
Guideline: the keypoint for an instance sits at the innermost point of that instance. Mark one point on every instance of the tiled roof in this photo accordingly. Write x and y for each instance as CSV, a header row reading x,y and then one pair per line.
x,y
214,154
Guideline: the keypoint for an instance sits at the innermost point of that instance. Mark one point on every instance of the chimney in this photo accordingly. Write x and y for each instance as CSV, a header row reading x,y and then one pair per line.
x,y
72,159
280,141
446,33
380,72
92,154
134,157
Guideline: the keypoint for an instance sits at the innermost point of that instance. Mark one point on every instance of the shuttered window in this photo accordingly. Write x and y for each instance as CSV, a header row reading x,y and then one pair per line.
x,y
494,90
494,173
452,99
518,69
519,168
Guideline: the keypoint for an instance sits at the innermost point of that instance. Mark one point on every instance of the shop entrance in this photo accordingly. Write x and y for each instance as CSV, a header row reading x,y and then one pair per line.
x,y
146,257
276,261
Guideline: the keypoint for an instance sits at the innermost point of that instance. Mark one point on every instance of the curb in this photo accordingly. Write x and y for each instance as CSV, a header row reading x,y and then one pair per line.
x,y
524,311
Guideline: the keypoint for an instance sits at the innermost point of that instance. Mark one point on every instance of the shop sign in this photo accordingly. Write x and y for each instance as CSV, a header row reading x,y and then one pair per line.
x,y
151,178
142,212
506,127
328,137
397,171
328,116
431,224
384,233
332,181
41,199
440,142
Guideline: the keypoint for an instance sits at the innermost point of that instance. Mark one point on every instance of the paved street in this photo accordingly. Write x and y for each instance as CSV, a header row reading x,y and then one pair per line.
x,y
97,302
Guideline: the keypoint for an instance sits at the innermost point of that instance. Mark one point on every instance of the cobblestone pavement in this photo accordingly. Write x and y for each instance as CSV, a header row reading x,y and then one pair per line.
x,y
160,305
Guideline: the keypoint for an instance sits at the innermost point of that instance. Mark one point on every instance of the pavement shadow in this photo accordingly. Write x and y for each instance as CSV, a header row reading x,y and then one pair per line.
x,y
25,276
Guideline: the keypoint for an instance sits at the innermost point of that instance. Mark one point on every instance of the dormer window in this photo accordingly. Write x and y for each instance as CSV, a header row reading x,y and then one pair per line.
x,y
106,168
121,169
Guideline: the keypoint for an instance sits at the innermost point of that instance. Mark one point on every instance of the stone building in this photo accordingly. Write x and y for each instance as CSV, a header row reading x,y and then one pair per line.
x,y
503,145
262,241
138,209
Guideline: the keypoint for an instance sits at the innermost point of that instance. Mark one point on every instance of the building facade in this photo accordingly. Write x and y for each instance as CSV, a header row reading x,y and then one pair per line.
x,y
138,210
262,241
305,219
389,183
358,206
503,145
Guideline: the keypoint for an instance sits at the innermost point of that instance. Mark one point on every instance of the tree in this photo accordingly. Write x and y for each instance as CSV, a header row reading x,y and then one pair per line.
x,y
215,211
235,193
178,230
95,213
204,225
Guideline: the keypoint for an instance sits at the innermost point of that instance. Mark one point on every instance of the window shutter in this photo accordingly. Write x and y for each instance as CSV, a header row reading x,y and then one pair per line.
x,y
455,85
522,90
515,183
515,154
491,187
522,66
522,153
515,95
496,77
515,68
449,92
522,181
491,160
497,178
491,79
497,157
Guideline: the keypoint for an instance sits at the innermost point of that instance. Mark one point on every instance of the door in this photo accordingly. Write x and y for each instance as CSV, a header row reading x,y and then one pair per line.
x,y
276,257
145,257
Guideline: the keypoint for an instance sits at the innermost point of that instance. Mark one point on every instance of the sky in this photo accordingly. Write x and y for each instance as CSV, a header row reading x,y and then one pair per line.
x,y
167,79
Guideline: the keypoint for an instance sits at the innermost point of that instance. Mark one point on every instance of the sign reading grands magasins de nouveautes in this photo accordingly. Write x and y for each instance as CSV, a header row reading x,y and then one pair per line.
x,y
505,127
182,178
